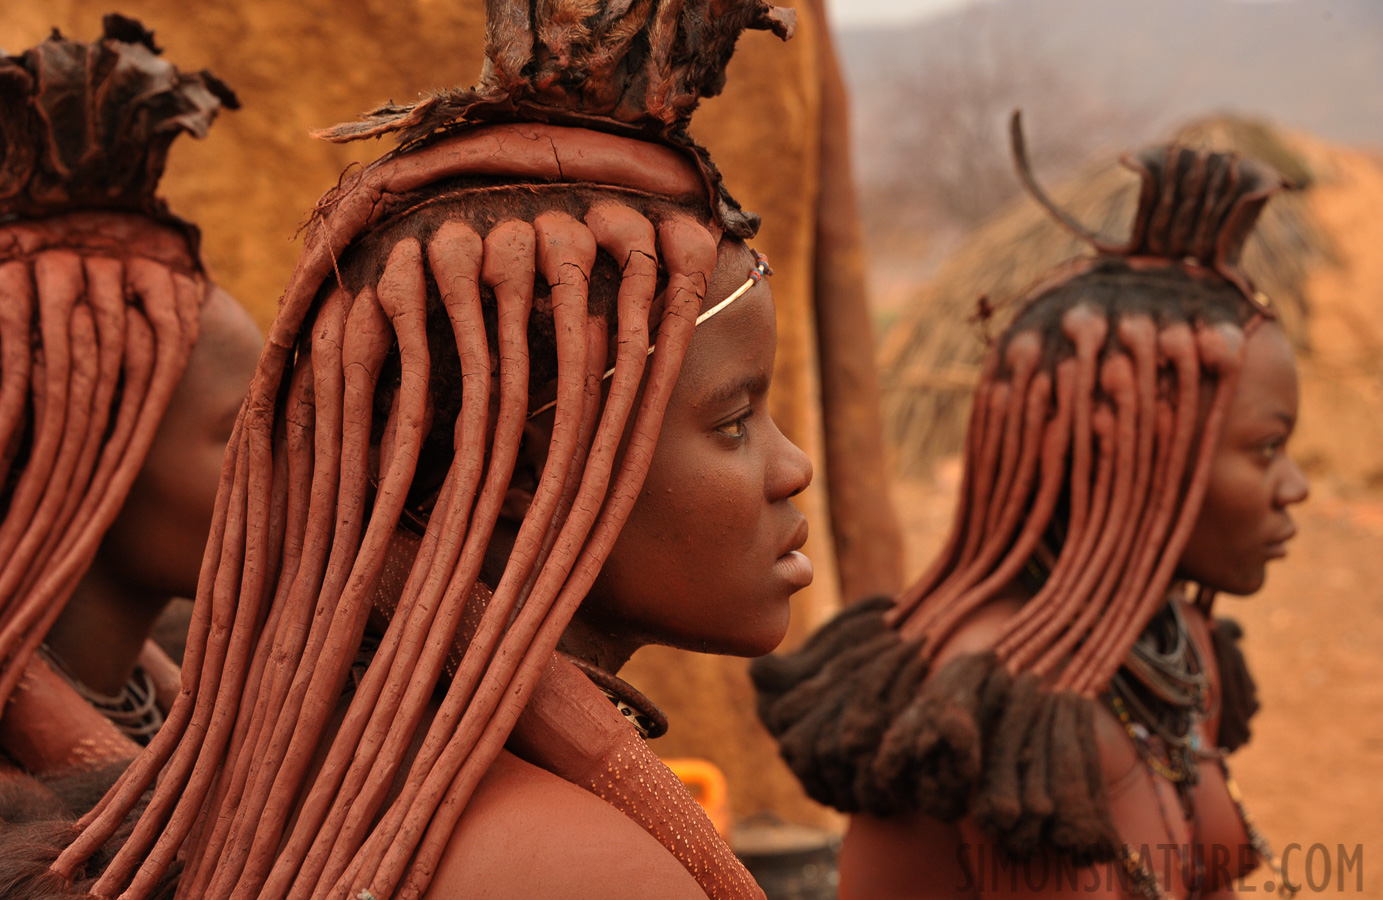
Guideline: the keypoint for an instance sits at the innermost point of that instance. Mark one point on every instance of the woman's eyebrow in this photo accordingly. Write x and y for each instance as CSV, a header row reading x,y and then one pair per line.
x,y
729,391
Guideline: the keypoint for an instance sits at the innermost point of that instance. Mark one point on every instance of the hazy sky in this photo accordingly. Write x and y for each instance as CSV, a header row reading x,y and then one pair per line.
x,y
847,13
874,12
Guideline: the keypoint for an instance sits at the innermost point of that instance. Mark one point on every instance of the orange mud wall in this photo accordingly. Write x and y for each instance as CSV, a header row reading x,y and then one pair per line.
x,y
779,136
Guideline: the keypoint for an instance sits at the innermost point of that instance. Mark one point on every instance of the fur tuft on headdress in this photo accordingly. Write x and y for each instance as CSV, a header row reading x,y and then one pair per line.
x,y
632,67
88,126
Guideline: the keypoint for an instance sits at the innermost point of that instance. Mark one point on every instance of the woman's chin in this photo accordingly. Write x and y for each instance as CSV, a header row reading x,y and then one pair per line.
x,y
751,639
765,639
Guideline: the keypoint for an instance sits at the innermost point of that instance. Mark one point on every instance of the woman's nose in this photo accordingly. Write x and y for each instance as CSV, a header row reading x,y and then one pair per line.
x,y
790,470
1294,487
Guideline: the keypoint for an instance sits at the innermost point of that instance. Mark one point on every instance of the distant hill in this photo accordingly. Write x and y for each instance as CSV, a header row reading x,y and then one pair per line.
x,y
1315,65
1094,78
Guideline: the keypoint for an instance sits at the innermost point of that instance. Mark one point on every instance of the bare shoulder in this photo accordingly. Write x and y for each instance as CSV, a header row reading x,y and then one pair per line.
x,y
530,834
980,630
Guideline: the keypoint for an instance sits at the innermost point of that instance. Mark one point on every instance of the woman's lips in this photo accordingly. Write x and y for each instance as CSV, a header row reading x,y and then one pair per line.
x,y
1278,548
795,568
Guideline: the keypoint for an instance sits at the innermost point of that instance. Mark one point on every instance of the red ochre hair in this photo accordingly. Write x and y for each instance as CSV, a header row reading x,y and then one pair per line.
x,y
100,296
1088,452
474,247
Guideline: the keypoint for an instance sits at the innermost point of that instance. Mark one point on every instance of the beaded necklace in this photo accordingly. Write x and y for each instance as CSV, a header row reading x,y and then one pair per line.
x,y
1161,697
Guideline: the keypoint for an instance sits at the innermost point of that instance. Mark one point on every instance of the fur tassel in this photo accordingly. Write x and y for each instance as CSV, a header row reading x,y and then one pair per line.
x,y
934,746
998,806
1238,693
37,817
775,676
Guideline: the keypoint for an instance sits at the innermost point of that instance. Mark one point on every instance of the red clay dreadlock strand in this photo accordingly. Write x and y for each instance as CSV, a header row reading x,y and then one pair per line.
x,y
1173,342
968,525
61,484
412,297
319,372
57,276
508,269
908,600
688,252
565,254
509,251
545,502
1087,332
31,600
1118,451
106,304
1221,351
457,276
344,600
517,239
16,356
1137,526
1022,417
596,335
292,493
181,762
609,429
367,333
1019,550
1023,357
328,339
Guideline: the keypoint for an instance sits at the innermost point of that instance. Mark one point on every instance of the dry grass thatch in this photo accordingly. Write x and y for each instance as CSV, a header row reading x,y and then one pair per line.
x,y
930,359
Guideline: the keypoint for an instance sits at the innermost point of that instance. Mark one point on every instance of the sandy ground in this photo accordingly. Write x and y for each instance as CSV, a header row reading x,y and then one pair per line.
x,y
1313,772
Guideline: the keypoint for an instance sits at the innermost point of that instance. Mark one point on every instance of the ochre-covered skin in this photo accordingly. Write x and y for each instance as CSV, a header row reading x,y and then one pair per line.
x,y
968,717
48,727
85,451
250,185
273,776
104,297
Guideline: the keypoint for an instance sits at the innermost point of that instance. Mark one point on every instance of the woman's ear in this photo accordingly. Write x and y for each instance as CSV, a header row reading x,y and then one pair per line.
x,y
528,468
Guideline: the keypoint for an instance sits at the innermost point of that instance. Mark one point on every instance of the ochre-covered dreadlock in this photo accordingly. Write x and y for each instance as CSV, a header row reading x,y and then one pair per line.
x,y
100,293
474,256
1095,420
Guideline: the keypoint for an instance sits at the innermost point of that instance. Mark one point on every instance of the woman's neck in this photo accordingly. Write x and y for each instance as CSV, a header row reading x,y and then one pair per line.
x,y
99,635
590,643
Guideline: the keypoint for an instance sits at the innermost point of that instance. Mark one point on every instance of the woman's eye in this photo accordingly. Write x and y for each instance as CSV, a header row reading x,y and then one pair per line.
x,y
1271,449
735,428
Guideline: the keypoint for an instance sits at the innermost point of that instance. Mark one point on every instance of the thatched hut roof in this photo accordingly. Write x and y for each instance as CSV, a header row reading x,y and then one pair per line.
x,y
930,358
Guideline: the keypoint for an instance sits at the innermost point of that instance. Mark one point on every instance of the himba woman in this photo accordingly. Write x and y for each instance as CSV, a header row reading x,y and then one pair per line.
x,y
1046,712
113,414
488,453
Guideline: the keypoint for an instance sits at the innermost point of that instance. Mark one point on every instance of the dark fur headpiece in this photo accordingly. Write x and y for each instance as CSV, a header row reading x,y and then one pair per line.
x,y
88,126
632,67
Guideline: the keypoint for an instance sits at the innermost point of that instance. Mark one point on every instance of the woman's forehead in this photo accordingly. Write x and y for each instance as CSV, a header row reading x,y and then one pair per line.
x,y
734,263
739,342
